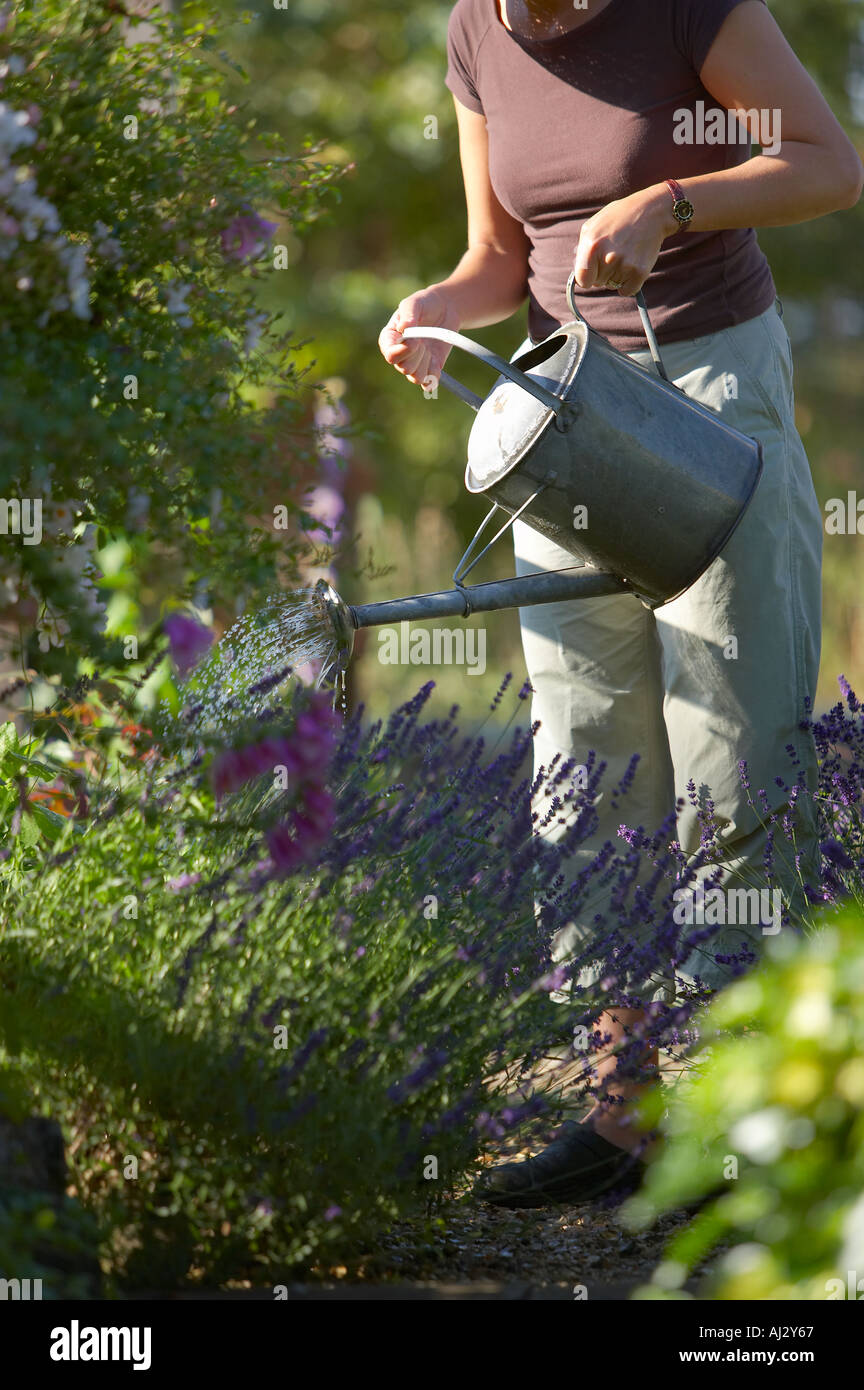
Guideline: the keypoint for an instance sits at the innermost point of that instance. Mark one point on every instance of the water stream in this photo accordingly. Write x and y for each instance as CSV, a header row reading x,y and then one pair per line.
x,y
287,638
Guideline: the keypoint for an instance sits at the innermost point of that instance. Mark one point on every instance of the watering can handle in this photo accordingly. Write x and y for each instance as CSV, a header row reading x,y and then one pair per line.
x,y
446,335
653,346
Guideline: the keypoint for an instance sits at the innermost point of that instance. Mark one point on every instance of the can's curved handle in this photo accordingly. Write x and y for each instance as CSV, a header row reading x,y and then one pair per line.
x,y
653,346
446,335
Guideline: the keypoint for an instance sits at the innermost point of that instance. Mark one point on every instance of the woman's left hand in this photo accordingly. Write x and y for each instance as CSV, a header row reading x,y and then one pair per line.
x,y
619,245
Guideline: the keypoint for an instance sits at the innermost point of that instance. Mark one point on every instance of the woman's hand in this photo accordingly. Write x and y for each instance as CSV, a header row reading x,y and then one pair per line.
x,y
619,245
418,359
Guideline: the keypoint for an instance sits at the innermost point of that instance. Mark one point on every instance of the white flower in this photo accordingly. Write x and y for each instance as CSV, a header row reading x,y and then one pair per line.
x,y
175,302
137,509
73,255
59,518
9,588
15,130
91,598
107,246
36,213
51,631
74,559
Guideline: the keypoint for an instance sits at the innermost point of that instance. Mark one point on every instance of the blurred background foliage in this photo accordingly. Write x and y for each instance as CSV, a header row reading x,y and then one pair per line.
x,y
368,82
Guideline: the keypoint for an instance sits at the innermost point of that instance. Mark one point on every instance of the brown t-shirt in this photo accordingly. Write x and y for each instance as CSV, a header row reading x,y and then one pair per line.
x,y
577,121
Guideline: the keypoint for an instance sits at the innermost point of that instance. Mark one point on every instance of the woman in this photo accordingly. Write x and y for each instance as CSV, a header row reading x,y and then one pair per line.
x,y
595,137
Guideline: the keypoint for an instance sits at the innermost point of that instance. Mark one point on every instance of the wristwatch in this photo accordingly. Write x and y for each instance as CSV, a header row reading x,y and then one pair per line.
x,y
682,208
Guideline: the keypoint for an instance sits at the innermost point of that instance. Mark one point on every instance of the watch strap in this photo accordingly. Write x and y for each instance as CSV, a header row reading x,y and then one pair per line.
x,y
680,203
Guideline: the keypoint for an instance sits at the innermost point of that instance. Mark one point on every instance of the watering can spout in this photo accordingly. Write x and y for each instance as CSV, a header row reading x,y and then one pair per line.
x,y
544,586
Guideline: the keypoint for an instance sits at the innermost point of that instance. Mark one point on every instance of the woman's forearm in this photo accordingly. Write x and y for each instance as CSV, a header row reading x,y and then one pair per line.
x,y
768,191
488,285
620,244
816,170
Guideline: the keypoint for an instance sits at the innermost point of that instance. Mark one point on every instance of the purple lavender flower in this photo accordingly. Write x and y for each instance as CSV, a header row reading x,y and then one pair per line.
x,y
555,979
835,854
848,694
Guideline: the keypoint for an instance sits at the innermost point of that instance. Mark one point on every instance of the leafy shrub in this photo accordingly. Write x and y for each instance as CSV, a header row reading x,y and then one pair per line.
x,y
144,391
775,1115
50,1241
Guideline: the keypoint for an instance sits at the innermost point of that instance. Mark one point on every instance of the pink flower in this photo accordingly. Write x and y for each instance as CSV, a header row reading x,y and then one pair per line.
x,y
327,506
182,881
188,639
316,729
285,851
234,766
229,771
278,752
246,236
297,841
318,810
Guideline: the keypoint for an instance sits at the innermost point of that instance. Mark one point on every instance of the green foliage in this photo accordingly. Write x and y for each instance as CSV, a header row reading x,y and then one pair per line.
x,y
49,1240
32,822
254,1049
774,1114
143,391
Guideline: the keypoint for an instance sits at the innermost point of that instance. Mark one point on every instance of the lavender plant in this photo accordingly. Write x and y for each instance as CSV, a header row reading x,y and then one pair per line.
x,y
295,1049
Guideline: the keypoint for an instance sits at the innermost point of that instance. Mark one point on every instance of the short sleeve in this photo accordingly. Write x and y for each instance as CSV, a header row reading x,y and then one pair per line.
x,y
697,24
460,54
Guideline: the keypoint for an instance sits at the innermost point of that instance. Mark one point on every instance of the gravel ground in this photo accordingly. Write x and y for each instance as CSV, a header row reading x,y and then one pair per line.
x,y
552,1249
561,1246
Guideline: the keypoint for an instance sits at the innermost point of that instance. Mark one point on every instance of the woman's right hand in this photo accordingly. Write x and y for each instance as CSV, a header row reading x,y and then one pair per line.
x,y
421,360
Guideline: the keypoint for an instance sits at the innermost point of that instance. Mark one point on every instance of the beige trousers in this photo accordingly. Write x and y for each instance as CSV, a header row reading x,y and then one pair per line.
x,y
716,676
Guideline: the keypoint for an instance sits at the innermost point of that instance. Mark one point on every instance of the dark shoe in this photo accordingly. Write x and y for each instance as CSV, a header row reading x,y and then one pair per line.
x,y
578,1165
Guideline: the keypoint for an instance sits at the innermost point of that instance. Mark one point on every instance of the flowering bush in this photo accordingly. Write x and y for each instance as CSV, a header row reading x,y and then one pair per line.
x,y
294,972
144,391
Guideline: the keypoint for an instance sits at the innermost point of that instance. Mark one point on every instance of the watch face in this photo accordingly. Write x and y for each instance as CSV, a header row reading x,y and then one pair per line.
x,y
683,210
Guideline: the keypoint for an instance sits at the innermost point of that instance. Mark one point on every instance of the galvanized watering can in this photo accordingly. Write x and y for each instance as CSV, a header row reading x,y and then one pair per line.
x,y
608,459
